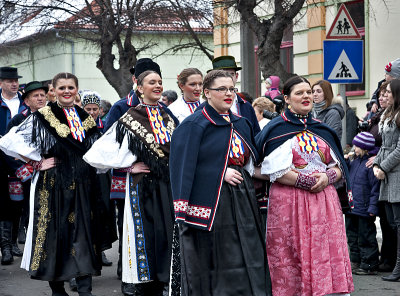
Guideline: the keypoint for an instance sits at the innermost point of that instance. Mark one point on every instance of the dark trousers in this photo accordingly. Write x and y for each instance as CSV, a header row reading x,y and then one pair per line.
x,y
393,214
389,237
361,238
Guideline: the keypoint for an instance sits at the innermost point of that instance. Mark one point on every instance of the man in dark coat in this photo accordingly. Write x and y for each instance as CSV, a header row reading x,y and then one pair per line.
x,y
240,106
11,103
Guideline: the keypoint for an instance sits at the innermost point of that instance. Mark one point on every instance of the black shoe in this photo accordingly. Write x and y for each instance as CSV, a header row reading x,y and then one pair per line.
x,y
6,256
385,267
72,285
127,289
16,251
21,235
354,266
391,277
104,260
361,271
5,242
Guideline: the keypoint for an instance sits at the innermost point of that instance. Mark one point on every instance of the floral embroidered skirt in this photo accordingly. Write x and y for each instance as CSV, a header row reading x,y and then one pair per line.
x,y
230,259
306,243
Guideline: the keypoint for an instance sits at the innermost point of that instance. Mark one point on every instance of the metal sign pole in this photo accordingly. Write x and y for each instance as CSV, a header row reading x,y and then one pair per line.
x,y
342,92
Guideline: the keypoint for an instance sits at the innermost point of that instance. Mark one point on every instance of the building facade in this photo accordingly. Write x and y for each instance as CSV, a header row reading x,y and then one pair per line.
x,y
302,46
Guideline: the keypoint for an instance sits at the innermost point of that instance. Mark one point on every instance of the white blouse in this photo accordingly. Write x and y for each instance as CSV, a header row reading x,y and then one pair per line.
x,y
280,161
106,153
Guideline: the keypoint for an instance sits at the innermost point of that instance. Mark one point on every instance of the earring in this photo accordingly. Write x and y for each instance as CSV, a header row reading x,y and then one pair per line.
x,y
289,107
142,96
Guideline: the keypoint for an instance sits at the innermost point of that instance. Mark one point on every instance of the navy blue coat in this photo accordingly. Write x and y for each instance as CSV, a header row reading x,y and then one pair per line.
x,y
5,113
119,108
198,161
365,187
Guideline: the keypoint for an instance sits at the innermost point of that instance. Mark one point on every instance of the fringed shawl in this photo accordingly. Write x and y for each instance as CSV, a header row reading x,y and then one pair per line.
x,y
135,125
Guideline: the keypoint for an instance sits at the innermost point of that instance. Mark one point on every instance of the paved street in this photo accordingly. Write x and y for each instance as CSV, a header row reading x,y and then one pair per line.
x,y
15,281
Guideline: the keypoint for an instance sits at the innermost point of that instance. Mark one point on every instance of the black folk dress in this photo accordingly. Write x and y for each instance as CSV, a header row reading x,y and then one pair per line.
x,y
142,135
65,235
231,258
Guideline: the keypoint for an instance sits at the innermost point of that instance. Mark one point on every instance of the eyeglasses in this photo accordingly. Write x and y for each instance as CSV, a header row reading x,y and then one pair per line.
x,y
225,90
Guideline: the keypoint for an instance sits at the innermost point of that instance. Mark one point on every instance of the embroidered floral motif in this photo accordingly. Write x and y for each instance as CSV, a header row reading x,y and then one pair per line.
x,y
42,224
199,212
118,184
15,188
147,135
61,128
71,217
180,205
143,269
190,210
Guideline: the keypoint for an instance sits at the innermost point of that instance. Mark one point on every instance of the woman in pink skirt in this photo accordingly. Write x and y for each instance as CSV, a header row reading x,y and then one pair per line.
x,y
306,237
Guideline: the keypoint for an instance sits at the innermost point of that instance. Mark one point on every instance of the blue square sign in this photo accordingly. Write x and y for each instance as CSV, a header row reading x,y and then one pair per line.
x,y
343,61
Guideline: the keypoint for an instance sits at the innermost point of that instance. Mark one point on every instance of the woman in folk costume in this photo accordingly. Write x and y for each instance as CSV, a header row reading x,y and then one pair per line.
x,y
306,237
221,234
64,229
91,104
139,142
190,81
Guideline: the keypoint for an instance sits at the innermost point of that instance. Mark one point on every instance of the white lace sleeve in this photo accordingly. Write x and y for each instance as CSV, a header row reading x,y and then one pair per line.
x,y
107,153
279,162
17,143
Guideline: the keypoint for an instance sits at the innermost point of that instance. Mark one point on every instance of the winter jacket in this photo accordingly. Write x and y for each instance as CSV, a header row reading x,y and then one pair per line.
x,y
332,116
365,187
388,159
273,91
351,125
5,113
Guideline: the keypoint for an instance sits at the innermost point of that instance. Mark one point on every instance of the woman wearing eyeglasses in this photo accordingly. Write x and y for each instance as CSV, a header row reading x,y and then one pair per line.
x,y
211,163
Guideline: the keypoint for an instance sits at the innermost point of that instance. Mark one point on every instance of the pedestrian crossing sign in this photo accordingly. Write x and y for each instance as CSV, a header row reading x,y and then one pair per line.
x,y
343,61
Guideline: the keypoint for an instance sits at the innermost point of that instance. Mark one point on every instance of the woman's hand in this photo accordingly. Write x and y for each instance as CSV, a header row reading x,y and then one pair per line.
x,y
139,167
233,177
370,162
379,174
322,182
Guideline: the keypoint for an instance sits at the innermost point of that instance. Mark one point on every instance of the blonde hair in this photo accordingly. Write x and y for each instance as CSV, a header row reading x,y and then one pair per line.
x,y
263,103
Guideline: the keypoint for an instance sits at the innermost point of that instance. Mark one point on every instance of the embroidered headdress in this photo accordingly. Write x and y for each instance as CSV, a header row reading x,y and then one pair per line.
x,y
90,97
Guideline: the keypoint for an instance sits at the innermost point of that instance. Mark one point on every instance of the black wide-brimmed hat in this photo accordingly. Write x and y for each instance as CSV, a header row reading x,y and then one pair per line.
x,y
9,73
33,85
225,62
144,65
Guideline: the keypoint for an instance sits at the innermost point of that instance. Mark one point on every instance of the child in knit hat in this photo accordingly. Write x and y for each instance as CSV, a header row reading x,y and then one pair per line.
x,y
360,222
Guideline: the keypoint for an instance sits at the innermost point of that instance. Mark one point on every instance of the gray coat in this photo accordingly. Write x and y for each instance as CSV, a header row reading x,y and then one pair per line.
x,y
388,159
332,116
